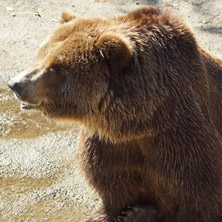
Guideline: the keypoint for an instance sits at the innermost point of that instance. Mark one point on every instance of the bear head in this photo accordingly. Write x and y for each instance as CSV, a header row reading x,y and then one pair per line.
x,y
112,75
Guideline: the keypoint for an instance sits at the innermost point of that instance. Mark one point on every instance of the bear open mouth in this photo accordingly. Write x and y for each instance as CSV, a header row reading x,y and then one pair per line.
x,y
28,106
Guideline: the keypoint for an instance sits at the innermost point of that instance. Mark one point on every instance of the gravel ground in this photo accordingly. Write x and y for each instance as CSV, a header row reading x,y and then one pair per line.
x,y
39,180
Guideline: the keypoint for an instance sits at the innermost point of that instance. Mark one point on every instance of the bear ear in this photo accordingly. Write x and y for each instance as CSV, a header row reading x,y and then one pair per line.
x,y
66,16
114,48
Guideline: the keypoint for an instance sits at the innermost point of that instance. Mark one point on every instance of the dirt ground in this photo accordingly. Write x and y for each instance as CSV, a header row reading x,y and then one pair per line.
x,y
38,176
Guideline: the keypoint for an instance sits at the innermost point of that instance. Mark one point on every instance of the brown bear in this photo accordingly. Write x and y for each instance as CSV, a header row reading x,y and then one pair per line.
x,y
149,100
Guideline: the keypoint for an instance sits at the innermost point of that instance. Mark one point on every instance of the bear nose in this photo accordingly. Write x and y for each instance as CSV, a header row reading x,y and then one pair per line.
x,y
15,86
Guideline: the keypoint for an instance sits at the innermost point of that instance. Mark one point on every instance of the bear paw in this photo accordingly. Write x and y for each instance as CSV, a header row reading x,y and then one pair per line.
x,y
139,214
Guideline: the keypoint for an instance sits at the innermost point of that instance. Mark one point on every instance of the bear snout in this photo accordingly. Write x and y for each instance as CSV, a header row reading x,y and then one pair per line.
x,y
24,89
15,86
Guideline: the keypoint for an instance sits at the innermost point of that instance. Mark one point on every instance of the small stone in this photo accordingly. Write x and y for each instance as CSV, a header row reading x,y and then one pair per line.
x,y
175,5
39,13
54,20
9,9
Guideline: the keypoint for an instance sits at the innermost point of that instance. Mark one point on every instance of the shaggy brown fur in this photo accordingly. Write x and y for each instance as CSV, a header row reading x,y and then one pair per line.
x,y
149,100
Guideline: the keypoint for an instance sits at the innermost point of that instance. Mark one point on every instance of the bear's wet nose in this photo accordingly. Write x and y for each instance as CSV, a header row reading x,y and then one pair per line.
x,y
15,86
